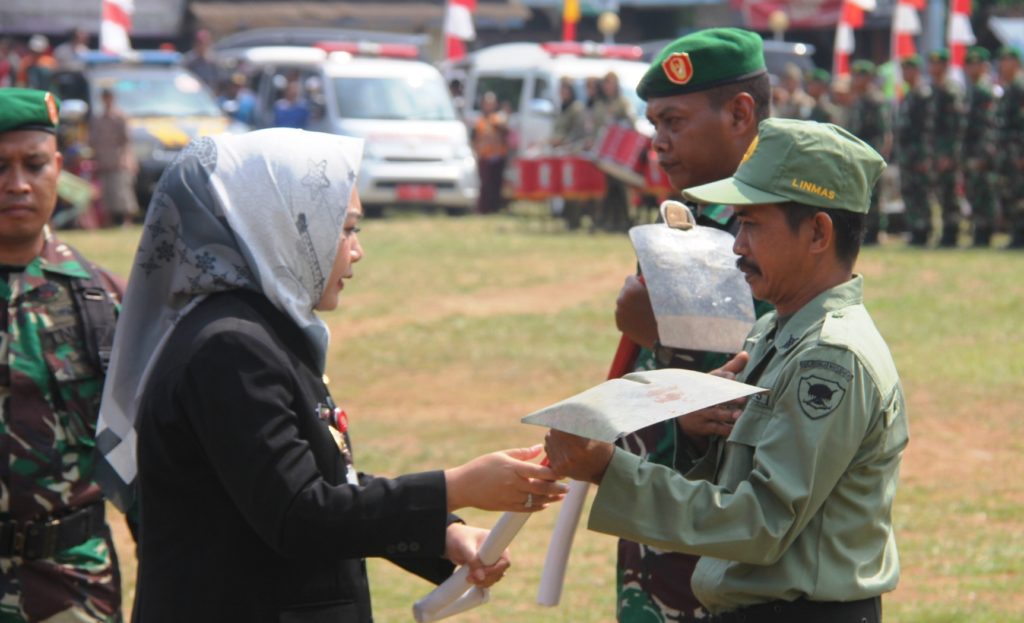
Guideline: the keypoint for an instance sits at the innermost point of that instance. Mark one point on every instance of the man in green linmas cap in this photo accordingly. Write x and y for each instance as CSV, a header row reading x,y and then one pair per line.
x,y
705,94
57,313
792,512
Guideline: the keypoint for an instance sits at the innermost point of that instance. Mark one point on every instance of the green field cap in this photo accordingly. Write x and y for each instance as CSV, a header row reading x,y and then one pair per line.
x,y
939,56
1008,51
28,109
703,60
817,164
914,60
977,54
863,66
821,75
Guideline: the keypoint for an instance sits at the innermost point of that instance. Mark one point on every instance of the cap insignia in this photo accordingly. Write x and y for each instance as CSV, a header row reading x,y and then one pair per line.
x,y
678,68
51,108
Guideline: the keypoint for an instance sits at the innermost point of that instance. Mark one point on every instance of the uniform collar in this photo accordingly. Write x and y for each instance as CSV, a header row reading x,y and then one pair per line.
x,y
830,301
55,258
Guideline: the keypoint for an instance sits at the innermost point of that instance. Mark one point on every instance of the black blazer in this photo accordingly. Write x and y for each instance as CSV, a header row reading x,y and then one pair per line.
x,y
245,511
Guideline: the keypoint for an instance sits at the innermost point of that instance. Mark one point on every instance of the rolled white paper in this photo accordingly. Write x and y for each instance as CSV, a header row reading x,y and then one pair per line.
x,y
552,577
456,594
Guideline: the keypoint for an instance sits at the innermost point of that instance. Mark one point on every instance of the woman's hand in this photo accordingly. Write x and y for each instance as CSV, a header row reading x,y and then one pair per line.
x,y
461,545
503,481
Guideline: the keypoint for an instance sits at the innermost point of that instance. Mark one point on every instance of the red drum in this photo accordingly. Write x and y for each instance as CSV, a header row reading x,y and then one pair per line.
x,y
581,179
528,179
655,181
549,175
620,154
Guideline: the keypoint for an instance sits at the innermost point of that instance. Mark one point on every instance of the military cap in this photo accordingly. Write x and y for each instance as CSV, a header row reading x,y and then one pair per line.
x,y
863,66
821,75
977,54
939,56
817,164
1008,51
703,60
914,60
28,109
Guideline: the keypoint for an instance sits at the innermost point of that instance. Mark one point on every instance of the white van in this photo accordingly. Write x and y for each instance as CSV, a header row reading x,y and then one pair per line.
x,y
526,77
417,150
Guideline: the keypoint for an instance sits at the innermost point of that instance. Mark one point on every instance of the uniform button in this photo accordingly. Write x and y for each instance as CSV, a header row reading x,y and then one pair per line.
x,y
402,547
837,314
414,547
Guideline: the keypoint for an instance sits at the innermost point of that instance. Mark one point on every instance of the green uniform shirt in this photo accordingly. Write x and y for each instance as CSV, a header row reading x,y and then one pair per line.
x,y
797,502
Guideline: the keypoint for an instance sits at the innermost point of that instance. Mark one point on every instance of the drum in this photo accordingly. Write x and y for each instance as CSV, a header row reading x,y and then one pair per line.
x,y
581,179
620,153
549,176
528,185
655,181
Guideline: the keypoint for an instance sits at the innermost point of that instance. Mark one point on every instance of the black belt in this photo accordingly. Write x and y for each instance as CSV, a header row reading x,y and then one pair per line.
x,y
43,539
806,611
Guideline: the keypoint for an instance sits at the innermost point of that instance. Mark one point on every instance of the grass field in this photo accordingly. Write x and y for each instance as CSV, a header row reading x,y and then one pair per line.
x,y
454,328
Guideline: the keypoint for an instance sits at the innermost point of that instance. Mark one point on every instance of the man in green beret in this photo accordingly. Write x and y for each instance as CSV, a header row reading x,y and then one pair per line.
x,y
705,94
947,143
57,560
913,139
792,512
978,161
869,121
1010,144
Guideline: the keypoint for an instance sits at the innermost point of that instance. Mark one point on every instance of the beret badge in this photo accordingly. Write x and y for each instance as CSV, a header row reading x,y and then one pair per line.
x,y
678,68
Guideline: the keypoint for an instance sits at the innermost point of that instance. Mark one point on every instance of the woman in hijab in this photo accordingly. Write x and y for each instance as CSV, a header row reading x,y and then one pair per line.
x,y
251,508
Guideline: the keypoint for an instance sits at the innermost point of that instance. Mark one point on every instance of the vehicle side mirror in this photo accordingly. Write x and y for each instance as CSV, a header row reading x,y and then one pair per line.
x,y
73,111
541,107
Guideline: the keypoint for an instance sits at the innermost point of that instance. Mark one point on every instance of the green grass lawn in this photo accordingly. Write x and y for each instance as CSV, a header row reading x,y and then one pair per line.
x,y
454,328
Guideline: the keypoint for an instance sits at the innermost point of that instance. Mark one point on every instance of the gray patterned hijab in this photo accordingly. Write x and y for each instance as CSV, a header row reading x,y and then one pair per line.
x,y
260,211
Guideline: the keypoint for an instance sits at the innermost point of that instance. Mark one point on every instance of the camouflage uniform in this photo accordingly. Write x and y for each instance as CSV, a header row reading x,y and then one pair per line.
x,y
869,121
914,153
49,399
1010,150
947,142
978,159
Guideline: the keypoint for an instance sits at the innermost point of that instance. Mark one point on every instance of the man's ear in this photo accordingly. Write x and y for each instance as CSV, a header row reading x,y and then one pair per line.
x,y
822,232
741,110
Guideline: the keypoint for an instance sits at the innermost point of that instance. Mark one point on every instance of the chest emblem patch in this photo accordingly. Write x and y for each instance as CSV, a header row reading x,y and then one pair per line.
x,y
819,396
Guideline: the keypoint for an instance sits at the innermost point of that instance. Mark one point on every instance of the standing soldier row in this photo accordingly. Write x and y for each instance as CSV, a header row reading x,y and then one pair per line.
x,y
979,152
869,121
1010,144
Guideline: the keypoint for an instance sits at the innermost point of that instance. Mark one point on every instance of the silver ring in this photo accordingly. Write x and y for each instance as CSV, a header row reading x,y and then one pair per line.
x,y
529,501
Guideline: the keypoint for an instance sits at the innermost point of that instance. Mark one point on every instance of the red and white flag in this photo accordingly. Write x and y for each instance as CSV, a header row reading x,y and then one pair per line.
x,y
906,24
458,27
960,37
115,26
851,17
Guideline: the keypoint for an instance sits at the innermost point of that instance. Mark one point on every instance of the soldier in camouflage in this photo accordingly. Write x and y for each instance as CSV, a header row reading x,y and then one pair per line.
x,y
913,131
946,142
57,561
1010,146
823,110
869,121
978,162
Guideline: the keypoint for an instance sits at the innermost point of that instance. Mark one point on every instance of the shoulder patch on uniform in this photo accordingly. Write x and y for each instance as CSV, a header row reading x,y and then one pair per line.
x,y
820,396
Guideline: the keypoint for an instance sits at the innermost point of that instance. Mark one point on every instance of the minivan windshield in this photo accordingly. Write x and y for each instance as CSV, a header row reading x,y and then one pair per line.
x,y
411,98
157,92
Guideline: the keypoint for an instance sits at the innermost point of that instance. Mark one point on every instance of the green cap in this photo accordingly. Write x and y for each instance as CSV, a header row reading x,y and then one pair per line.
x,y
28,109
1008,51
977,54
821,75
939,56
817,164
703,60
914,60
863,66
